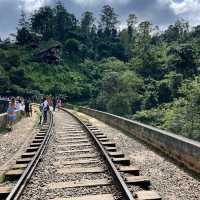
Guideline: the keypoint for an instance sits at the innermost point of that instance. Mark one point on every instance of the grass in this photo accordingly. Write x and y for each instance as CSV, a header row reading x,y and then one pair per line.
x,y
2,178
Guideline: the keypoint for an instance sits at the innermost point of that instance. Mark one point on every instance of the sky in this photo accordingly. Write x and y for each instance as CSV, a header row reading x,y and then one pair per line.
x,y
159,12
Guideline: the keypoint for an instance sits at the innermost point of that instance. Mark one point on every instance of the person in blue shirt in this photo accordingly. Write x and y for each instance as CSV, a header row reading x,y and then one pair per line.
x,y
12,116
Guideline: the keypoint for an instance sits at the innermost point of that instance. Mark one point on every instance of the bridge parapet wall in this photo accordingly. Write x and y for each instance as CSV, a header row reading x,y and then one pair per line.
x,y
4,118
183,150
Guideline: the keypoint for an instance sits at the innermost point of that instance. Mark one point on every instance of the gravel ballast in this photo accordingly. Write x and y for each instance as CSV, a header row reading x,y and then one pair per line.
x,y
13,143
46,173
170,180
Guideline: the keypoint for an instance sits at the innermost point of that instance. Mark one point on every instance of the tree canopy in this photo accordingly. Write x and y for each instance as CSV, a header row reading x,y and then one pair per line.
x,y
138,71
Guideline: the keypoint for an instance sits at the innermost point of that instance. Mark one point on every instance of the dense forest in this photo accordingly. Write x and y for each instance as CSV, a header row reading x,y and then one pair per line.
x,y
139,72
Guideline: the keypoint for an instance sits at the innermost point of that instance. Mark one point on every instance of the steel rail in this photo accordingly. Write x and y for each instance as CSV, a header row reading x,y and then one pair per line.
x,y
25,177
119,180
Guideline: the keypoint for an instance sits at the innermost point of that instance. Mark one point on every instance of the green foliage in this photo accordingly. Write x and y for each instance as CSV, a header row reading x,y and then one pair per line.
x,y
119,104
109,19
42,22
177,32
182,116
138,71
87,23
120,89
63,22
9,59
23,36
71,47
183,59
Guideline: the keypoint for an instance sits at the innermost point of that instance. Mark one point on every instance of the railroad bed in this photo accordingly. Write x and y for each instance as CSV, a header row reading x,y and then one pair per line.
x,y
82,164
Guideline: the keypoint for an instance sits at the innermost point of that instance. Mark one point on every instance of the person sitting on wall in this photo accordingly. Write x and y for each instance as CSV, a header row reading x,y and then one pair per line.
x,y
12,116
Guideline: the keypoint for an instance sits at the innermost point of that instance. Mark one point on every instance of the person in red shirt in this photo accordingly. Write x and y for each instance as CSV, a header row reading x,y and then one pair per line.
x,y
59,103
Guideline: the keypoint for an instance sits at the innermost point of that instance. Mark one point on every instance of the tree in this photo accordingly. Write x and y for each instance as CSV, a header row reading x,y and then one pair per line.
x,y
72,47
177,32
42,22
4,80
23,36
3,58
144,29
9,59
183,60
64,22
150,94
131,23
119,105
183,116
87,22
14,58
108,20
23,22
175,81
196,31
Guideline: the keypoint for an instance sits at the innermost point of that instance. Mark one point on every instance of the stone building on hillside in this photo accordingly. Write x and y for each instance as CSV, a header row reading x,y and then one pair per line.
x,y
50,55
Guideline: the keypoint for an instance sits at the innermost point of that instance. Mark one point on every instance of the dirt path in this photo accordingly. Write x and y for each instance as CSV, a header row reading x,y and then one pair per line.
x,y
13,143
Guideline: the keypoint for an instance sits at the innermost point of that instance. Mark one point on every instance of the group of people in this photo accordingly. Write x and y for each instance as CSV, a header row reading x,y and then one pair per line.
x,y
15,105
45,105
56,104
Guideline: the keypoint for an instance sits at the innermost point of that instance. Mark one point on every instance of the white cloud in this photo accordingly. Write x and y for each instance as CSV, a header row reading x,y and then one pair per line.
x,y
92,2
186,9
31,5
85,1
185,6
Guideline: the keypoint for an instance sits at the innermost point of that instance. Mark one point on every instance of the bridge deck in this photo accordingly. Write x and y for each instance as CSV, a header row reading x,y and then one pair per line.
x,y
170,180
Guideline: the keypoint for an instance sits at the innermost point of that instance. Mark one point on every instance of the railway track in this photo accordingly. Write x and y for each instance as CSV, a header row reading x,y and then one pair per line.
x,y
17,177
82,164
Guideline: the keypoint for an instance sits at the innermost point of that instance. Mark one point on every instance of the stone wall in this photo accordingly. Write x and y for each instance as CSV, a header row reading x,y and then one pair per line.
x,y
183,150
4,118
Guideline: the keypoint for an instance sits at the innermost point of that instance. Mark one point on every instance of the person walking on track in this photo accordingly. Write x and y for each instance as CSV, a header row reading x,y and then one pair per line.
x,y
27,107
54,104
59,103
45,108
12,116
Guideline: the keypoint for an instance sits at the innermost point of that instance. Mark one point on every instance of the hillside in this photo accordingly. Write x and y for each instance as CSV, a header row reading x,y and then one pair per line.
x,y
139,72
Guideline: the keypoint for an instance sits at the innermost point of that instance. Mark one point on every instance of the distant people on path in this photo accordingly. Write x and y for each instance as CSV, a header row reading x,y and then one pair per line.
x,y
12,116
59,103
41,110
19,104
31,110
49,101
44,107
54,104
27,107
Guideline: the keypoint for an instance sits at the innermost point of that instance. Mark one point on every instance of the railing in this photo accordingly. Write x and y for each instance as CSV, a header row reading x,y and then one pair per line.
x,y
4,118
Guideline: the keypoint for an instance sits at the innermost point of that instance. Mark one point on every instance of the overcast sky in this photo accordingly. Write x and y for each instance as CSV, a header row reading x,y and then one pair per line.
x,y
159,12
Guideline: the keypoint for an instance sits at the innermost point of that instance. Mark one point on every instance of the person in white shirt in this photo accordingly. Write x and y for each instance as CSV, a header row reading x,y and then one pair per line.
x,y
44,107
